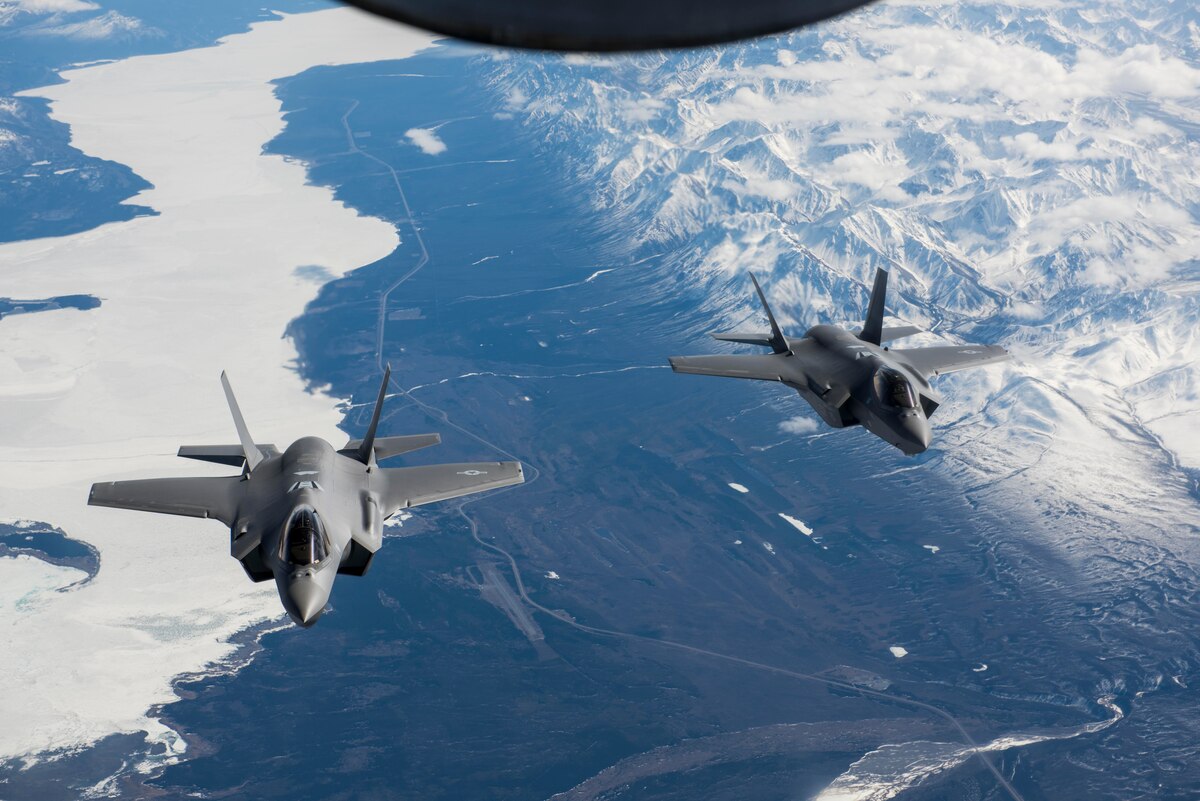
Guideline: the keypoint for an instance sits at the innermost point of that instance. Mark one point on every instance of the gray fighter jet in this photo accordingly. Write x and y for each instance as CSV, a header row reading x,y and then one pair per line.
x,y
303,516
852,379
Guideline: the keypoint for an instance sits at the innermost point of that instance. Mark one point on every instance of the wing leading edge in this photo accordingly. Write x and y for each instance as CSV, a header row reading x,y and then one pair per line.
x,y
213,497
762,368
414,486
949,358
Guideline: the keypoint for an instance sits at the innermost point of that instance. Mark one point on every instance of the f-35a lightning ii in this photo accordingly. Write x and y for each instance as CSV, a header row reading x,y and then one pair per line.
x,y
303,516
851,379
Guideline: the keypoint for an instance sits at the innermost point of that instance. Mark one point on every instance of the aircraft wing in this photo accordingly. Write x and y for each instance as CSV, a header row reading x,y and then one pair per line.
x,y
214,497
762,368
948,358
414,486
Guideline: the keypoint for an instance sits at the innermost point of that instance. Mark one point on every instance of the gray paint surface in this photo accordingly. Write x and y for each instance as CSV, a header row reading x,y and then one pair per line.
x,y
305,515
852,379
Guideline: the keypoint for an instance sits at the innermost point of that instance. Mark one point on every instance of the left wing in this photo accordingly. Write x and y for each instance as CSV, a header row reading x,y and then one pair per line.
x,y
948,358
211,496
414,486
762,368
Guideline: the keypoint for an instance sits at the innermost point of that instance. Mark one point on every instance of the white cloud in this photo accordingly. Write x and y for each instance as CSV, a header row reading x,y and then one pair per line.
x,y
1031,147
799,425
642,109
426,139
106,26
51,6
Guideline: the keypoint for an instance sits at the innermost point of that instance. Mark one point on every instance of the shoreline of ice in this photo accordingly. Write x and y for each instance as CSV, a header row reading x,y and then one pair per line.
x,y
208,284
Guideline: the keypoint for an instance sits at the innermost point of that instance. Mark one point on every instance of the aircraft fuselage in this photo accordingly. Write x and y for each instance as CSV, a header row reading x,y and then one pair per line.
x,y
306,515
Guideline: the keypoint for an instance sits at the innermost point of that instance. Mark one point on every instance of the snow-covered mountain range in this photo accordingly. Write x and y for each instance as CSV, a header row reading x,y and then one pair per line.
x,y
1028,172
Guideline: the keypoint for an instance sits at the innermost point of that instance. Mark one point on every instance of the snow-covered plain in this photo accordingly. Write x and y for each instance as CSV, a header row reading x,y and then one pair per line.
x,y
111,393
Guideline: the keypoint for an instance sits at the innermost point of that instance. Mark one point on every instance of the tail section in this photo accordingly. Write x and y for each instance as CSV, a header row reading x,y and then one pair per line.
x,y
367,444
872,330
777,340
251,451
387,447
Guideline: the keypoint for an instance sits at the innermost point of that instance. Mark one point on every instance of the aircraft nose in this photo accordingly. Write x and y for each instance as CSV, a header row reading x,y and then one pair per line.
x,y
916,433
305,601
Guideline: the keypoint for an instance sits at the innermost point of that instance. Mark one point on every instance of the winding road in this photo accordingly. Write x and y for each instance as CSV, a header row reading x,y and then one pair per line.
x,y
560,617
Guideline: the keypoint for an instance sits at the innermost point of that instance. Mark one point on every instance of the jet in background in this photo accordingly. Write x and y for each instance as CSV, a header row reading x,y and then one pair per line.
x,y
852,379
304,516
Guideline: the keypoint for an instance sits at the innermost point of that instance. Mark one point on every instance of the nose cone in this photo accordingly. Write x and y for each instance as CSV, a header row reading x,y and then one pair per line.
x,y
914,433
305,600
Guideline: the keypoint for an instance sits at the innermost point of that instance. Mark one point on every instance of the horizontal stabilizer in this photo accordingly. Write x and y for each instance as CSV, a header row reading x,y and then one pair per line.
x,y
214,497
898,332
949,358
387,447
232,455
765,340
762,368
414,486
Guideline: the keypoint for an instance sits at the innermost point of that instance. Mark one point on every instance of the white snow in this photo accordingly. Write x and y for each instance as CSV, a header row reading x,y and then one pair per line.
x,y
798,523
30,583
898,651
738,487
112,392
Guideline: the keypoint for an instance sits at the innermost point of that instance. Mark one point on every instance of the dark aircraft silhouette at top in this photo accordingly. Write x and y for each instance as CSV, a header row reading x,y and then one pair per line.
x,y
607,25
303,516
851,379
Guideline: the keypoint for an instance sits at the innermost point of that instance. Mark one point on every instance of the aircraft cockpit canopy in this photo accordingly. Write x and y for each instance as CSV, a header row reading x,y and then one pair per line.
x,y
897,390
304,541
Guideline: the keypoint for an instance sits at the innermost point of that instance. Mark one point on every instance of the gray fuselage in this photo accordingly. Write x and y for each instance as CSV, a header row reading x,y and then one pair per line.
x,y
300,520
886,395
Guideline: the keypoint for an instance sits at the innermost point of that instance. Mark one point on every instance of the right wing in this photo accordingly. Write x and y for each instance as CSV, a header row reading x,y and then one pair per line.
x,y
414,486
948,358
763,368
214,497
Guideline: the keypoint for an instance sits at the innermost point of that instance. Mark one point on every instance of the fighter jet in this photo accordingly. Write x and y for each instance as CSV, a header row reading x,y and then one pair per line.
x,y
306,515
852,379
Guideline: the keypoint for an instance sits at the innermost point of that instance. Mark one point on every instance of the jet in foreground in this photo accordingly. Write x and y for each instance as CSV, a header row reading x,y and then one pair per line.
x,y
303,516
851,379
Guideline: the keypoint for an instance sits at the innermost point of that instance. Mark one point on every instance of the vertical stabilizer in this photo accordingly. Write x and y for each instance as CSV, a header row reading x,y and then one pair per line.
x,y
253,454
778,341
368,441
872,330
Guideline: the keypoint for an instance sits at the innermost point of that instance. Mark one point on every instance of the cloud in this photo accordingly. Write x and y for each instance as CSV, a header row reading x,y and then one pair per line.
x,y
51,6
777,189
426,139
896,73
1031,147
799,425
642,109
105,26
